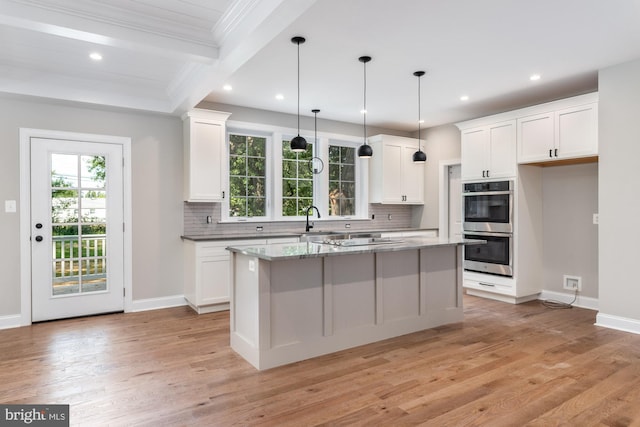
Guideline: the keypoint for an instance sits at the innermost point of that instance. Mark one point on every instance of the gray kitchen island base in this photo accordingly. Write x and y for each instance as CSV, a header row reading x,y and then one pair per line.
x,y
288,309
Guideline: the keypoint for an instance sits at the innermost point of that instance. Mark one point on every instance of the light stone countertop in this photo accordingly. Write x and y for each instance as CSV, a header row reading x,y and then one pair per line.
x,y
282,234
284,251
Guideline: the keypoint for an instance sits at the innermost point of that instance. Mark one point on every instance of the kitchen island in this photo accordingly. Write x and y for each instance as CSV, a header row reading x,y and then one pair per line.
x,y
294,301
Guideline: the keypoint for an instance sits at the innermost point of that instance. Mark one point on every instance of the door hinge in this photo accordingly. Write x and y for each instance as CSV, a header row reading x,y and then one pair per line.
x,y
123,227
124,292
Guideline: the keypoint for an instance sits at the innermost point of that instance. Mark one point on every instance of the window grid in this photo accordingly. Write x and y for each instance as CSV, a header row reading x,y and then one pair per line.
x,y
247,176
297,180
342,181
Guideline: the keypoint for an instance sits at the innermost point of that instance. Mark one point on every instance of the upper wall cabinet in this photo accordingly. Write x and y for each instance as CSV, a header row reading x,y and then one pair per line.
x,y
204,155
564,134
489,151
393,176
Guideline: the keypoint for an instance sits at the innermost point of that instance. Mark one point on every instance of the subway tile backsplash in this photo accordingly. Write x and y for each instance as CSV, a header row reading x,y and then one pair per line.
x,y
386,217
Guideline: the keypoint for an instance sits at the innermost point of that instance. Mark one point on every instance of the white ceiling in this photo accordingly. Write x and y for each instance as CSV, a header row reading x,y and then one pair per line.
x,y
167,55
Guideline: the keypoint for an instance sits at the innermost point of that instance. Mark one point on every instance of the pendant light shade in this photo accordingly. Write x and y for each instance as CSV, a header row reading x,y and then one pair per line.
x,y
298,144
419,156
365,151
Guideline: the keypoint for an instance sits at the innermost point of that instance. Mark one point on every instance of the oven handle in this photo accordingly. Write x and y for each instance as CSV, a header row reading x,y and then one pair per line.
x,y
487,193
485,233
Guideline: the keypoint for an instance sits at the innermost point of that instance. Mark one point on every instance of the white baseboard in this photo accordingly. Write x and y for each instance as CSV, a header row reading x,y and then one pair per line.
x,y
13,321
582,302
157,303
620,323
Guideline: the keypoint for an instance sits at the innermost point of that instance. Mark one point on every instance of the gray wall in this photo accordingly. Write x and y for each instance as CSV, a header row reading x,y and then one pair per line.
x,y
619,204
441,143
156,180
570,240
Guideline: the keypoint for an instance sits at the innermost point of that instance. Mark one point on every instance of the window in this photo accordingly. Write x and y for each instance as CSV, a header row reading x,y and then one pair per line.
x,y
269,182
247,176
297,180
342,181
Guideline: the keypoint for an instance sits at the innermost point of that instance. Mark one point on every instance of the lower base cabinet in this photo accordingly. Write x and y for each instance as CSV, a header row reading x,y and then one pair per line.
x,y
207,277
207,274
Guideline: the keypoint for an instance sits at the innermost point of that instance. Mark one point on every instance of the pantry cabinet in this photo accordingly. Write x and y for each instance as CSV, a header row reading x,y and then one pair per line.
x,y
489,151
564,134
204,155
393,176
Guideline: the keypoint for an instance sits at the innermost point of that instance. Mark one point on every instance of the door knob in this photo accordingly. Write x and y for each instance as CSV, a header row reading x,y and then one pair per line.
x,y
38,226
38,238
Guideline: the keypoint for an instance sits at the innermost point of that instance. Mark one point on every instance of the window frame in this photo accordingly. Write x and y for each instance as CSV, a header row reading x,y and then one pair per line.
x,y
275,135
224,214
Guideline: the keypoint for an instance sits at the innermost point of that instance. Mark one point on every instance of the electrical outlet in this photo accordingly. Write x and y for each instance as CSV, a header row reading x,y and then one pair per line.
x,y
595,219
572,283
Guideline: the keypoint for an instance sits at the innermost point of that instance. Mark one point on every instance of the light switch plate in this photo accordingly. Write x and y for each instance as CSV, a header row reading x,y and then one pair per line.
x,y
595,219
10,206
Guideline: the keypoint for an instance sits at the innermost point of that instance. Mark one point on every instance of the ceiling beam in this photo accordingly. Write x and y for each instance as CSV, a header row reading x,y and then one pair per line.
x,y
91,29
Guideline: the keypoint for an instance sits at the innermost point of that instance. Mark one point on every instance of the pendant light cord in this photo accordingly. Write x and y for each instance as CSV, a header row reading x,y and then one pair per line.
x,y
298,88
365,102
419,116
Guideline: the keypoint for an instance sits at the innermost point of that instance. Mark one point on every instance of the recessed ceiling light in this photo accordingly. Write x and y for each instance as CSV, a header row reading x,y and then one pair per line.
x,y
227,87
534,77
464,98
279,97
95,56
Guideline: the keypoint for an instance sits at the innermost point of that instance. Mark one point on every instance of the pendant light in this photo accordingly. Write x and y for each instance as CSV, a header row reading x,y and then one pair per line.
x,y
419,156
316,165
298,144
365,151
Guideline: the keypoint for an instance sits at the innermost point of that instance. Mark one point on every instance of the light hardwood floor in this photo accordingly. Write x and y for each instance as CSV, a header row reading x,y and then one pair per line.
x,y
504,365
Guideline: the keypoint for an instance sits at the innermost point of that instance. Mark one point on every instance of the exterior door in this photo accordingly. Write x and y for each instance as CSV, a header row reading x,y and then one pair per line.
x,y
77,238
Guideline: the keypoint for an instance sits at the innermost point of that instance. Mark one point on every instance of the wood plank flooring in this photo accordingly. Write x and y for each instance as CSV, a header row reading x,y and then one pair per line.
x,y
505,365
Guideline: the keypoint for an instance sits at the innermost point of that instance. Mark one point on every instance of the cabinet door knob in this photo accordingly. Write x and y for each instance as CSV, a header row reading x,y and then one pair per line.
x,y
487,174
556,152
483,174
550,155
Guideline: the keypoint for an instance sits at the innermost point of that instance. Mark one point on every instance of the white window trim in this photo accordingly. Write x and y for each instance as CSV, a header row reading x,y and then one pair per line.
x,y
275,135
224,214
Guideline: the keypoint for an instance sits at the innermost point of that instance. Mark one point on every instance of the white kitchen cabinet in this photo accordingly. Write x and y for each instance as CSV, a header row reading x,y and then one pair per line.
x,y
393,176
205,163
489,151
565,134
208,273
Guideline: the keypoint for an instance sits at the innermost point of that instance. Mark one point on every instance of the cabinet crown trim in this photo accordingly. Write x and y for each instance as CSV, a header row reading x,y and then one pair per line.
x,y
574,101
200,113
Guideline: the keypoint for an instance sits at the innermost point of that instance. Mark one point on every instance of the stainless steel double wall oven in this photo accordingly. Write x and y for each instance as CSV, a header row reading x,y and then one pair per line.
x,y
488,215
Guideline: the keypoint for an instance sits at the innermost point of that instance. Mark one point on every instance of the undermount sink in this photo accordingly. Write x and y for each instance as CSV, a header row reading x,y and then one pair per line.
x,y
360,241
337,238
316,236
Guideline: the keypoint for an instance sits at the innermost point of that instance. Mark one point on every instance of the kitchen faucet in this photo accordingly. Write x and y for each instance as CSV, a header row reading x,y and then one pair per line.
x,y
309,209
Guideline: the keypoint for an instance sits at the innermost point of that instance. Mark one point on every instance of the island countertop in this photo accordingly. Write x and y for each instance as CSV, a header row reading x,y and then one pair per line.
x,y
283,251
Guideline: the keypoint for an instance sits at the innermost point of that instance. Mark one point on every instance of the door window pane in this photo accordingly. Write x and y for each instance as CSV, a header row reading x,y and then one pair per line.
x,y
78,224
